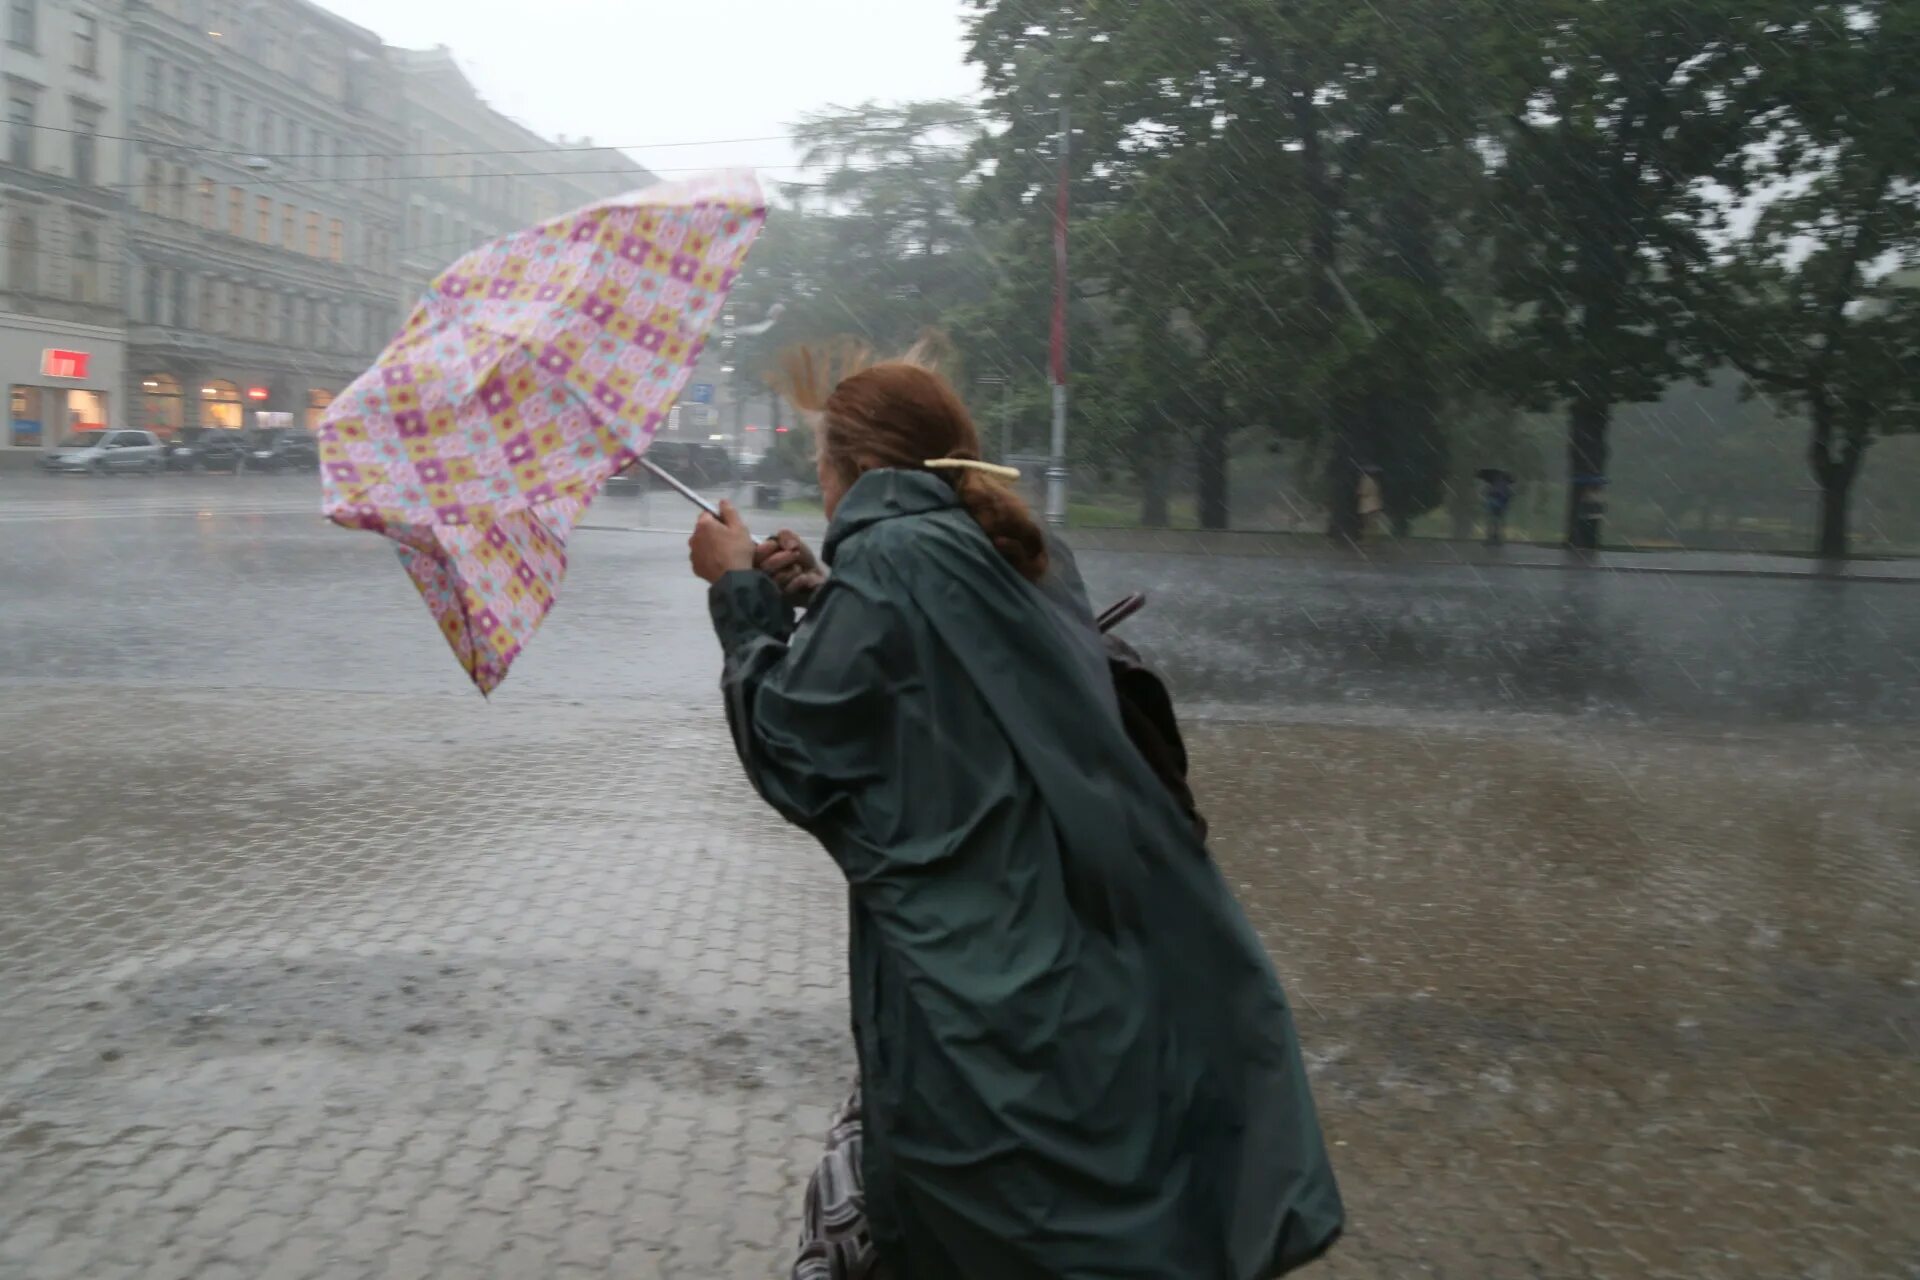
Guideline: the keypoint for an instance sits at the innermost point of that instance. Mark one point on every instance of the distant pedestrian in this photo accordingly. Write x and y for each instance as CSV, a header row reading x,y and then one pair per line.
x,y
1075,1057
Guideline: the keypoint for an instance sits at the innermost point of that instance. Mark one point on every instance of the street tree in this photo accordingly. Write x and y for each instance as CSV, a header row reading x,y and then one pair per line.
x,y
1627,121
1820,304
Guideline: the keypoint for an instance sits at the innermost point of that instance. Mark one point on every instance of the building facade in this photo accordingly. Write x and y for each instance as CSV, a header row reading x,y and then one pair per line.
x,y
62,263
473,174
213,208
263,220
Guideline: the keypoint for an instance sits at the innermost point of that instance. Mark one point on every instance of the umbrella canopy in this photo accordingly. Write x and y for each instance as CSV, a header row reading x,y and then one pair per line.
x,y
535,367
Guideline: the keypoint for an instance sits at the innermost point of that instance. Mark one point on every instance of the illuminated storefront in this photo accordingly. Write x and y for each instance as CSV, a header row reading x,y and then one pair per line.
x,y
163,409
221,405
318,402
58,379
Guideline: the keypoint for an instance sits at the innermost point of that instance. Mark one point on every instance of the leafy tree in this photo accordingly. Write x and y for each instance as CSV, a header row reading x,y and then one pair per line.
x,y
1819,305
1624,113
1226,156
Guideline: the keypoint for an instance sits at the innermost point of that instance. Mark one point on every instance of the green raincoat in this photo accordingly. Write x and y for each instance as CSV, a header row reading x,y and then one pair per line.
x,y
1075,1056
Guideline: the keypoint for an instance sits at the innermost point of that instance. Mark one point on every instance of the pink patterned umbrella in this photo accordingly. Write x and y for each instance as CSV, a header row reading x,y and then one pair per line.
x,y
535,368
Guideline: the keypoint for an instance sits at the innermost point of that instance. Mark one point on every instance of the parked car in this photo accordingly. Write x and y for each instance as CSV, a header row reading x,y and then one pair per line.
x,y
217,449
194,444
103,452
703,466
282,449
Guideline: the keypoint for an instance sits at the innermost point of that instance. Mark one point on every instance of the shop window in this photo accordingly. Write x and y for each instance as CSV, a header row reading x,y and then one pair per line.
x,y
25,423
162,407
86,411
317,403
221,406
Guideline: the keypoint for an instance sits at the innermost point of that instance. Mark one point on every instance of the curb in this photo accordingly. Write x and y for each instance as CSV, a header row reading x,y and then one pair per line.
x,y
1082,542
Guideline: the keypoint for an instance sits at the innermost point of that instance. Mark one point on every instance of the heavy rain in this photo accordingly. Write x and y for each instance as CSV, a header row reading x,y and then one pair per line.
x,y
1508,413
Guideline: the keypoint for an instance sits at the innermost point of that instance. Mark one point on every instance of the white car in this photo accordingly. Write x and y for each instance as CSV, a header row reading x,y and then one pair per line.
x,y
100,452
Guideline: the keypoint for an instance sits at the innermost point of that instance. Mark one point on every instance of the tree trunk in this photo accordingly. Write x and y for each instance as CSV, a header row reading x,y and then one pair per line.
x,y
1587,424
1835,475
1210,461
1836,493
1344,521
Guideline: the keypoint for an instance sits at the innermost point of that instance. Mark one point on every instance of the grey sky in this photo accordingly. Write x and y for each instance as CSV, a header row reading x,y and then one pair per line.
x,y
657,71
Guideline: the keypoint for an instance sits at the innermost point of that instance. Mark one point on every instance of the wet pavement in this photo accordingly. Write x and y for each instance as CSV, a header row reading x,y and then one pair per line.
x,y
1594,894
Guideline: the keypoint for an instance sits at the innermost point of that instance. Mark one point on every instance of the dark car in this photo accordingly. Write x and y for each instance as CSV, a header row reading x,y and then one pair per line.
x,y
703,466
282,449
207,449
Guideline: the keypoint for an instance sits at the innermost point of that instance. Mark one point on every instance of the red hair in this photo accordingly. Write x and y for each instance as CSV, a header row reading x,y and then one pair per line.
x,y
900,414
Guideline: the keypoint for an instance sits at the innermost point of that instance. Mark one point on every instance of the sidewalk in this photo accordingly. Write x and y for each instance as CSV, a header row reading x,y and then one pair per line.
x,y
667,513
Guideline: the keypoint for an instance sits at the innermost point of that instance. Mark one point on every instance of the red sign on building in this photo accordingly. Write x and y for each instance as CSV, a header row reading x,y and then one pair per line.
x,y
257,393
55,363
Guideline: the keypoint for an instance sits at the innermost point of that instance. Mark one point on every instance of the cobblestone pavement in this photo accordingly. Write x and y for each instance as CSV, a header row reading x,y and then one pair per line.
x,y
295,987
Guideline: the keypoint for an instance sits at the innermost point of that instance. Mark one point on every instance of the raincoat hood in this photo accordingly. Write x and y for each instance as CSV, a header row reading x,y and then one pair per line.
x,y
886,494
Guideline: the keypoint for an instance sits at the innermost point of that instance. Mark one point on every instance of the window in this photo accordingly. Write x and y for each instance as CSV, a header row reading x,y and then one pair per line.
x,y
179,300
86,123
289,227
414,219
266,132
282,323
240,121
219,306
23,255
263,219
155,72
151,189
206,204
182,92
85,144
177,194
20,113
336,241
313,235
86,266
23,24
150,296
86,43
306,323
210,106
236,212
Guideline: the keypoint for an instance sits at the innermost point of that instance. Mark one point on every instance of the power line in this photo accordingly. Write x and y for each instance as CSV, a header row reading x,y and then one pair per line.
x,y
252,154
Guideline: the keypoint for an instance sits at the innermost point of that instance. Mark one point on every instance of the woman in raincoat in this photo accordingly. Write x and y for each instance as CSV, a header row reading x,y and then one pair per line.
x,y
1075,1057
